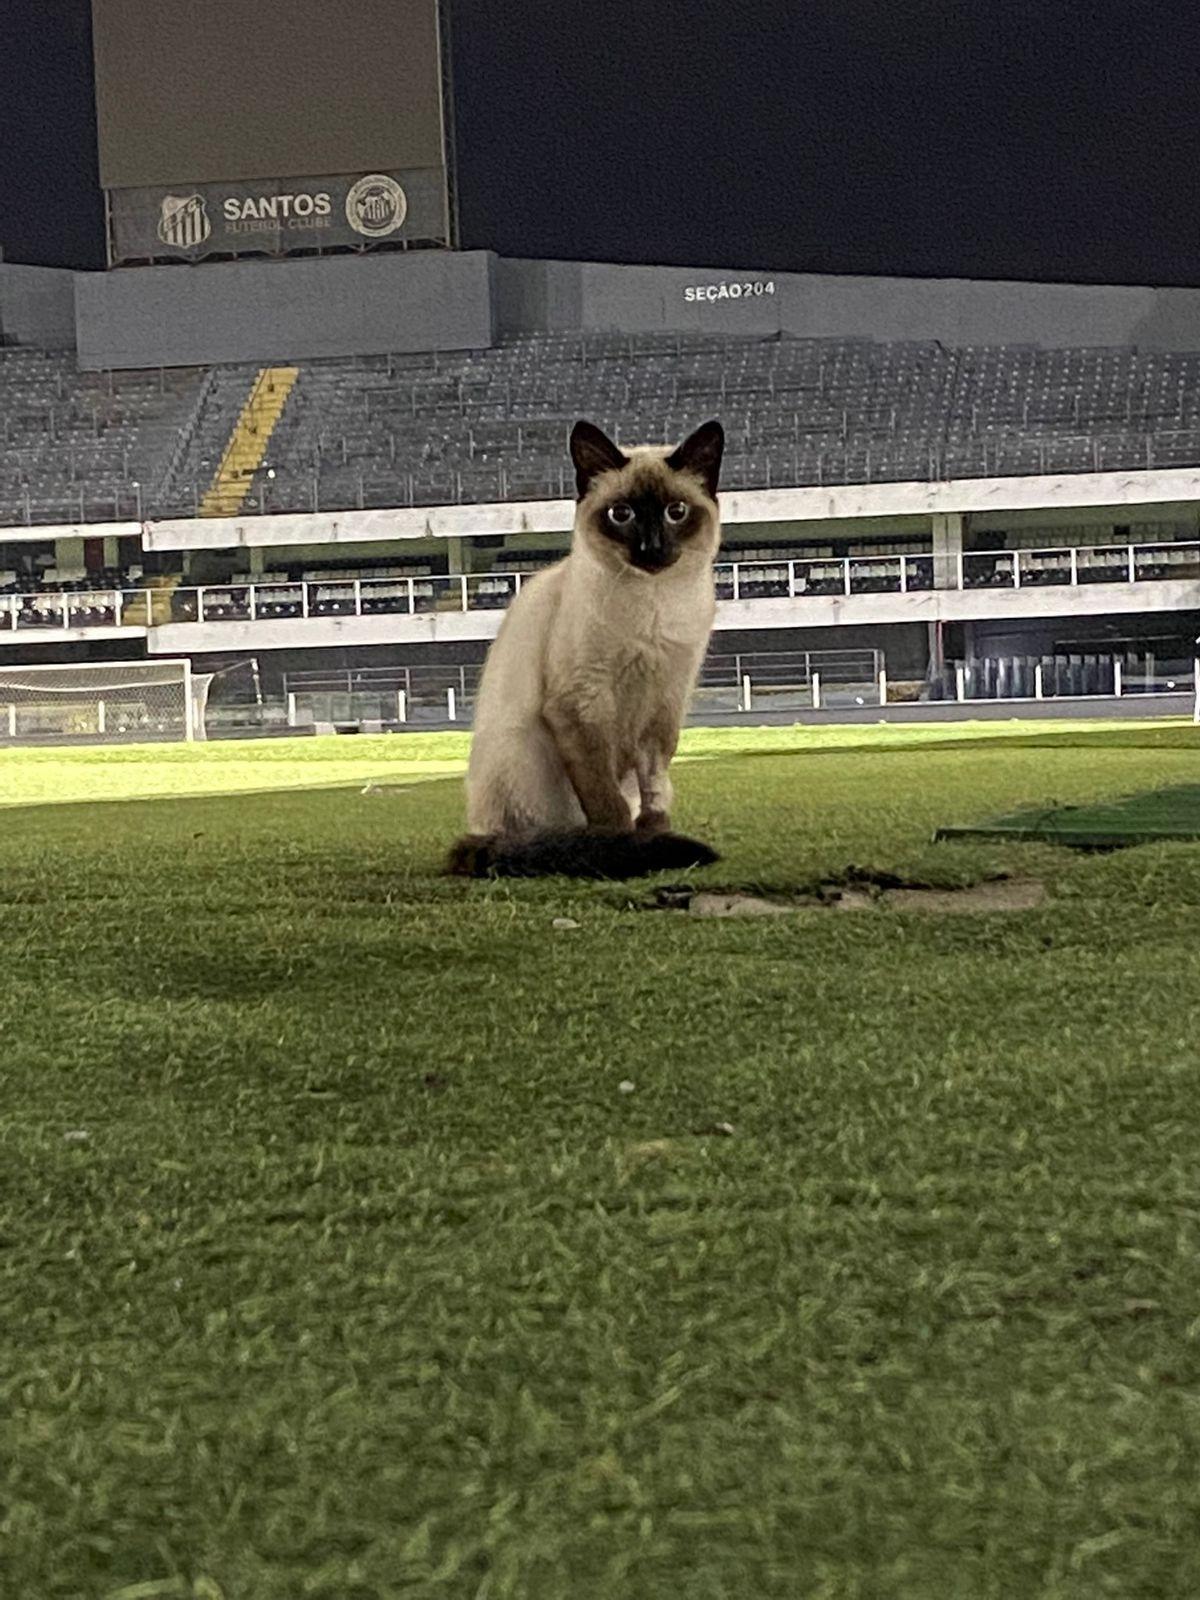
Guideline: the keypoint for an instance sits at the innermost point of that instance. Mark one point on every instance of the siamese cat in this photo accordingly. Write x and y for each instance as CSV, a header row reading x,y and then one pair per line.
x,y
587,682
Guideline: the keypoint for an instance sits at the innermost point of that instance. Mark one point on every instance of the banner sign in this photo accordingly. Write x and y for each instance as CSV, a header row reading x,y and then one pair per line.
x,y
266,216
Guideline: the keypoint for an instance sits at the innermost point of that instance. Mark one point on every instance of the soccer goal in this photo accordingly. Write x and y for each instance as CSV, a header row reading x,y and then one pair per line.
x,y
99,702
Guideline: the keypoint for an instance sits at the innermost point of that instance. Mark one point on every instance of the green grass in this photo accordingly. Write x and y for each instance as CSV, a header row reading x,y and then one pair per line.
x,y
367,1280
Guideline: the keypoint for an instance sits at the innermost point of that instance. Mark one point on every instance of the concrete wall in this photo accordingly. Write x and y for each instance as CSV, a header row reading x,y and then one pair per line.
x,y
594,296
905,645
434,300
814,615
906,649
284,310
37,307
907,507
1167,634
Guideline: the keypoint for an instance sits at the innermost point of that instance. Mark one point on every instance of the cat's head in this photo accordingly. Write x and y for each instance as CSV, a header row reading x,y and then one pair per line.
x,y
651,507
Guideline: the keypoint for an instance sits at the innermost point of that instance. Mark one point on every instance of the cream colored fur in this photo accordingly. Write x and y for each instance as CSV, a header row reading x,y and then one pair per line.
x,y
622,645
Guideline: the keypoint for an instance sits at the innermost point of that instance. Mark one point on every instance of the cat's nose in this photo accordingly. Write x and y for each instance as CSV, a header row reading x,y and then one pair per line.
x,y
652,551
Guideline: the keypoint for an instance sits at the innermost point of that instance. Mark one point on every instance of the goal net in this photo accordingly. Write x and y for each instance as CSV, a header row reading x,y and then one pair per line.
x,y
98,702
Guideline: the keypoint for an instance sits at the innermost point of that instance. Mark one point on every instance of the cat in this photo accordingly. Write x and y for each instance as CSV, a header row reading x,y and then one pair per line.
x,y
587,682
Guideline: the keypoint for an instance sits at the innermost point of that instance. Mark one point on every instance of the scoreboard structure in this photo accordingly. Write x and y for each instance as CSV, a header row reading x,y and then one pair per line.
x,y
272,127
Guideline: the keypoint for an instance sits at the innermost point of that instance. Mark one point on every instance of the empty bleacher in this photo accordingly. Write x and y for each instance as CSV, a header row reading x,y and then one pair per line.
x,y
490,425
83,446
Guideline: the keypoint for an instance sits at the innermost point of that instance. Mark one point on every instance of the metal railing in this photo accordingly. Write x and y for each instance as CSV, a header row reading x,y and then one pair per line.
x,y
781,579
339,481
1076,565
433,693
94,608
1067,676
719,670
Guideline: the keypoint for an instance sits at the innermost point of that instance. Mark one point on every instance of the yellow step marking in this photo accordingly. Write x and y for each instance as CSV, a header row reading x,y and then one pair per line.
x,y
248,442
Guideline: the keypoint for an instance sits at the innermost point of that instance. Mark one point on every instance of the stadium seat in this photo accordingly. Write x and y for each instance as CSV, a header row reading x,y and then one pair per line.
x,y
489,425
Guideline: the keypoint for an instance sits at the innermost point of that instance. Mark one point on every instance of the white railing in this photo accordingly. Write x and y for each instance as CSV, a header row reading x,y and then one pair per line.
x,y
93,608
1077,565
446,692
839,576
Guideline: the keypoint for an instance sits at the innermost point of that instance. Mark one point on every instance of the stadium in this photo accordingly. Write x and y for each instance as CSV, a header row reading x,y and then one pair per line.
x,y
821,1221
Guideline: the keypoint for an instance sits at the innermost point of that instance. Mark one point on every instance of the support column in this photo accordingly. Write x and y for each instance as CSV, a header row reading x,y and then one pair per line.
x,y
937,649
946,542
947,531
68,557
454,556
471,558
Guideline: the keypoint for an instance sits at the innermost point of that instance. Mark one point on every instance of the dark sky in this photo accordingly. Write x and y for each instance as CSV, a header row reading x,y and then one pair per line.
x,y
1028,139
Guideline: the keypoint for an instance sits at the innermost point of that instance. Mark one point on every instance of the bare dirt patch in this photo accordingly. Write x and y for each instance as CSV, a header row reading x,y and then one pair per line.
x,y
1005,894
859,892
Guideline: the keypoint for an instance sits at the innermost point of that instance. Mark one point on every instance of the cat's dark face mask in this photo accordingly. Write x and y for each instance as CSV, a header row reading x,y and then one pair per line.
x,y
649,531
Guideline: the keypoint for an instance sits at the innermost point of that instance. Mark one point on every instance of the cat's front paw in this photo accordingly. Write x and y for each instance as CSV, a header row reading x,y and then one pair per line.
x,y
653,822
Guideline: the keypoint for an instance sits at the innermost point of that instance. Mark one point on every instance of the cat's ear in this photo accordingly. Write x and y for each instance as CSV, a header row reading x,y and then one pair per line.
x,y
701,453
593,452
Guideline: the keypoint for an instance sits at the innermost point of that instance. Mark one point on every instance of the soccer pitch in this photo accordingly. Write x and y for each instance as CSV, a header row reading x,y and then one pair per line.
x,y
339,1259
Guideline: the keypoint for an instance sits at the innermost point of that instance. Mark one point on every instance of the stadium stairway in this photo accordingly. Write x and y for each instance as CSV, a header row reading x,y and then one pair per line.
x,y
150,604
248,441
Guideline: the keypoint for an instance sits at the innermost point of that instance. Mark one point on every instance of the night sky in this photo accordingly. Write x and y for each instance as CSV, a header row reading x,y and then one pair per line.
x,y
1034,139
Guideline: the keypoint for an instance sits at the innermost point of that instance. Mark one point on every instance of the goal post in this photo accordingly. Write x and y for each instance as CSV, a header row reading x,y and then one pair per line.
x,y
101,702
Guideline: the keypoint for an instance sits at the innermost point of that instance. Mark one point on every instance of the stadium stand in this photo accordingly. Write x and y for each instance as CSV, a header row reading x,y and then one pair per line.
x,y
85,447
490,425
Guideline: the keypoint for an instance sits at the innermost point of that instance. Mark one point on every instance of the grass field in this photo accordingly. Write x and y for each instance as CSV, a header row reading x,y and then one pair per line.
x,y
336,1263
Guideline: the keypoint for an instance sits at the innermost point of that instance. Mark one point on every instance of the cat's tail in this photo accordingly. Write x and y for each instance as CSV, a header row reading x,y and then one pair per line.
x,y
582,853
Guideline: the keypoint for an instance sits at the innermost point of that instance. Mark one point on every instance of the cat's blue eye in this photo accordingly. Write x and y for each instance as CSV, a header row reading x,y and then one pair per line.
x,y
677,512
620,514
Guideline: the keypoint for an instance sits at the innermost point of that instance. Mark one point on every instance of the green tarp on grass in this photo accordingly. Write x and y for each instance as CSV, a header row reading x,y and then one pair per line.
x,y
1137,819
